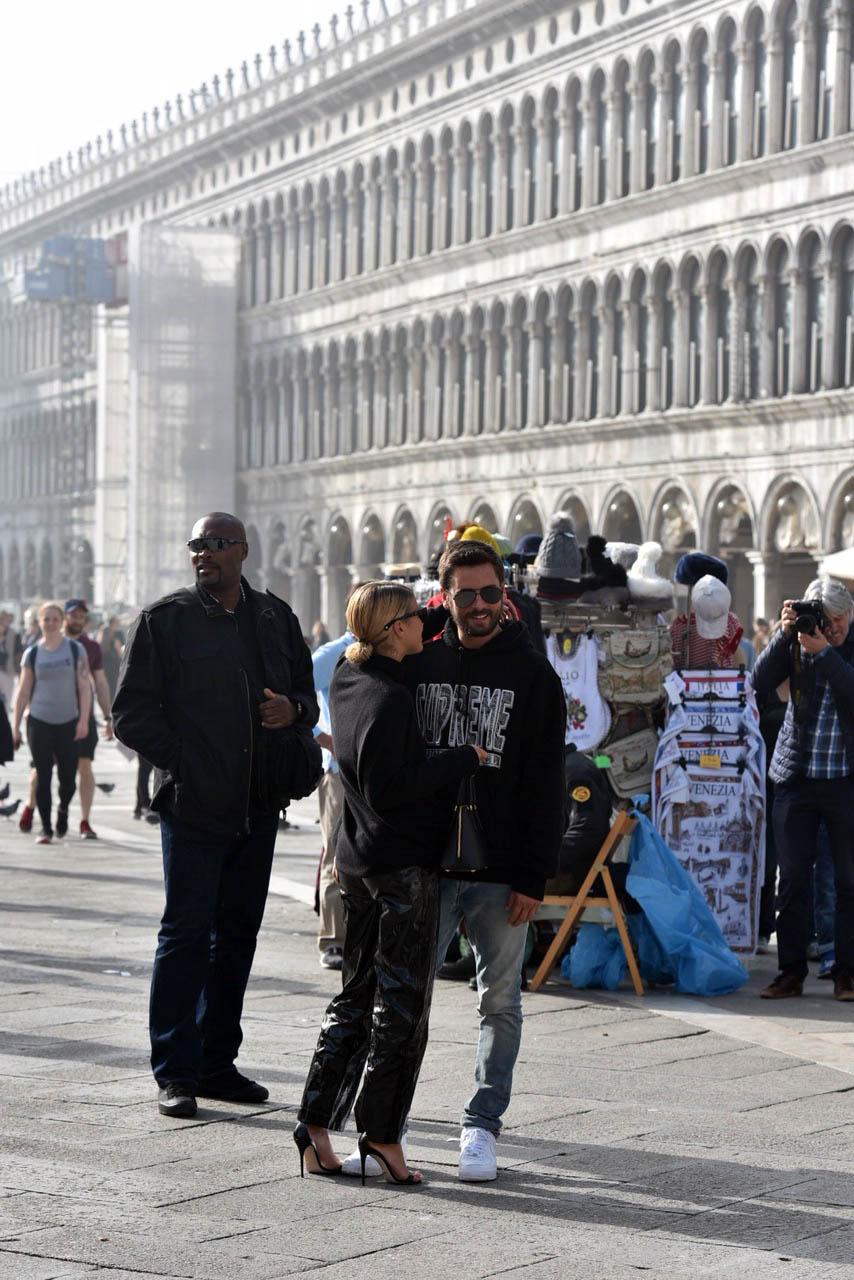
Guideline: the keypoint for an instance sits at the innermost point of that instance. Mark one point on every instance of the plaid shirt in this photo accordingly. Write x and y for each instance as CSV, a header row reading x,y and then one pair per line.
x,y
824,745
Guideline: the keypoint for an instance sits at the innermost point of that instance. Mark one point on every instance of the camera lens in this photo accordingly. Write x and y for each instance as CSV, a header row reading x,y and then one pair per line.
x,y
805,625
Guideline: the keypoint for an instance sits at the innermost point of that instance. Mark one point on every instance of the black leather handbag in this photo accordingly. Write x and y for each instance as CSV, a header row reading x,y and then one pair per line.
x,y
465,850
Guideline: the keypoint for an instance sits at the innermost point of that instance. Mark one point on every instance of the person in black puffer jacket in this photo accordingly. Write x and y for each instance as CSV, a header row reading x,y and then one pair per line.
x,y
387,851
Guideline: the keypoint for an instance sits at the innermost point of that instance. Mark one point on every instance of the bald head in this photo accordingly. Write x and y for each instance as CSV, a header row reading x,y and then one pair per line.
x,y
219,524
218,566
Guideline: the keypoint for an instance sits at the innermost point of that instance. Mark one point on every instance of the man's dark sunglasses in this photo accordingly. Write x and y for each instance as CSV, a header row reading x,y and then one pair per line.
x,y
213,544
404,617
466,596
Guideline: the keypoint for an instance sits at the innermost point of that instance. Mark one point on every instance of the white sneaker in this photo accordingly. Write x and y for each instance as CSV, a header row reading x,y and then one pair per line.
x,y
477,1156
352,1166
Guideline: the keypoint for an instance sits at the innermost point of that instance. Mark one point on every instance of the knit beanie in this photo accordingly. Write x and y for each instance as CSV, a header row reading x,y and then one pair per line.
x,y
476,533
559,555
695,565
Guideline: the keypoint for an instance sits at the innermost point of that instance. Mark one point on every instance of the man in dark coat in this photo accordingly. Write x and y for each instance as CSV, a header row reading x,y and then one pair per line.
x,y
215,690
813,774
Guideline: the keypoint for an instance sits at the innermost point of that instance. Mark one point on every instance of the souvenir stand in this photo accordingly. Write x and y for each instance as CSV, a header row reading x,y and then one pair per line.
x,y
709,794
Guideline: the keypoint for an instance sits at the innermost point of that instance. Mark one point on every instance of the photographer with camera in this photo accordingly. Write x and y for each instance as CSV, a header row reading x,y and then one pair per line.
x,y
813,774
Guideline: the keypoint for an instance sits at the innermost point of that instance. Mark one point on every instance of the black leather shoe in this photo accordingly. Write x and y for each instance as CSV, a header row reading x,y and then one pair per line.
x,y
784,986
177,1100
231,1086
843,986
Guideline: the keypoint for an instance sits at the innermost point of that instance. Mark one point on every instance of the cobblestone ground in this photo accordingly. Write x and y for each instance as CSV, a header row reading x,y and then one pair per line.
x,y
664,1136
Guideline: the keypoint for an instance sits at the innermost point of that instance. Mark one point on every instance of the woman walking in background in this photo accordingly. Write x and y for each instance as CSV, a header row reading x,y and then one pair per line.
x,y
55,685
387,854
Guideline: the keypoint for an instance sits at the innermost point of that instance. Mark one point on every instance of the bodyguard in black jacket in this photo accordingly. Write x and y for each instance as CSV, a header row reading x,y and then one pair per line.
x,y
216,691
483,682
387,851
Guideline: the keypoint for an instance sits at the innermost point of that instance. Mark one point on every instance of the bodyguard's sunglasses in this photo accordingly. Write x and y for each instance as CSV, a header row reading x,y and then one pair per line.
x,y
213,544
404,617
466,596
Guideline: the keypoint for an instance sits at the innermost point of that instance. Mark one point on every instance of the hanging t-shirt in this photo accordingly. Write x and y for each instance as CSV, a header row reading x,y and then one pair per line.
x,y
691,650
588,716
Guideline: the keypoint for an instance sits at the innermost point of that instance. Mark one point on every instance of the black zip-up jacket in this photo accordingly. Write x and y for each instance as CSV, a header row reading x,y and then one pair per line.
x,y
186,703
391,817
506,698
834,667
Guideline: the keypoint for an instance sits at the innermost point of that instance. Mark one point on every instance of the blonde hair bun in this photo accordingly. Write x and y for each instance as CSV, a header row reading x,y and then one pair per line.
x,y
370,608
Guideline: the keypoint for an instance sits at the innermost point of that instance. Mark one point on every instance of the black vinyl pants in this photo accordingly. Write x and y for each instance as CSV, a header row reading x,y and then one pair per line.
x,y
378,1023
49,743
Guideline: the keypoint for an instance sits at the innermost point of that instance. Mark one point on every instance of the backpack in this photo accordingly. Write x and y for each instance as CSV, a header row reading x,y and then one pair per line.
x,y
636,664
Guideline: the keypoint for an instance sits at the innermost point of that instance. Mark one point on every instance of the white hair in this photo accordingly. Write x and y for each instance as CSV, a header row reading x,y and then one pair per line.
x,y
832,593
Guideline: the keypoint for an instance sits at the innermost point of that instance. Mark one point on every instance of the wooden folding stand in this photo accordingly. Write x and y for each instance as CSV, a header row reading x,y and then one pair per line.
x,y
622,827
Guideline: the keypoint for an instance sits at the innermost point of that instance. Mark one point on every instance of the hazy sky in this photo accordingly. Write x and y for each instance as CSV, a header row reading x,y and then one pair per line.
x,y
72,70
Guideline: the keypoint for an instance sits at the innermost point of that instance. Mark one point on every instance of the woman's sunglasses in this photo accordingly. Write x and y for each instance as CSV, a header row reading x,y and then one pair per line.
x,y
466,596
404,617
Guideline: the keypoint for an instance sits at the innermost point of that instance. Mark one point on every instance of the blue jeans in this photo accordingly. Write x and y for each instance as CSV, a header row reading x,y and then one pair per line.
x,y
216,890
499,950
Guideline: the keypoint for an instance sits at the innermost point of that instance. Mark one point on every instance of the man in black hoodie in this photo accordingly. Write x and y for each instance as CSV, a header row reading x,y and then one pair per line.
x,y
484,683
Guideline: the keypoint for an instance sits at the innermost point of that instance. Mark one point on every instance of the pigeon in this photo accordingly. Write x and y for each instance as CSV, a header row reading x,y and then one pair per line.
x,y
4,792
106,787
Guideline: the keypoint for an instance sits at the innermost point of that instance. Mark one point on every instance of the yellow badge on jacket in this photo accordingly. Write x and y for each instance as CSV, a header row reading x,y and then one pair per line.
x,y
581,794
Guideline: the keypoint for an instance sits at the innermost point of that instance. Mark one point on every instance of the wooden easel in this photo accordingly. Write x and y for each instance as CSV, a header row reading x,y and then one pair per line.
x,y
622,827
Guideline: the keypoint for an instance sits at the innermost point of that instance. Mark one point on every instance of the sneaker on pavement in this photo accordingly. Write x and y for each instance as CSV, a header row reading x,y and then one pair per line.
x,y
332,958
231,1086
61,821
25,822
783,986
86,832
477,1156
828,960
46,837
458,970
177,1100
843,986
352,1166
813,951
763,946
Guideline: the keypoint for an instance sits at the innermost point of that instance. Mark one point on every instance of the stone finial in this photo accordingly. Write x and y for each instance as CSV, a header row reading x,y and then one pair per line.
x,y
384,8
301,43
333,28
215,82
229,82
134,130
99,145
123,132
179,103
287,52
109,139
88,152
366,21
145,124
155,117
204,94
244,73
167,111
348,14
315,31
70,159
273,54
194,93
41,176
257,61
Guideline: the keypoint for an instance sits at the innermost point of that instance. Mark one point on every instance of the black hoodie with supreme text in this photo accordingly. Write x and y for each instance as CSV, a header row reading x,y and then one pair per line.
x,y
506,698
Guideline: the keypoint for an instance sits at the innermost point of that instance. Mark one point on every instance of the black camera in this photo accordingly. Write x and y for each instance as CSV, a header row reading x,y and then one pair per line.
x,y
811,617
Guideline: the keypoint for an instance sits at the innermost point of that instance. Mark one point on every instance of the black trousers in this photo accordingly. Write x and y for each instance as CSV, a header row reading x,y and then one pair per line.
x,y
143,778
378,1023
800,807
768,898
49,743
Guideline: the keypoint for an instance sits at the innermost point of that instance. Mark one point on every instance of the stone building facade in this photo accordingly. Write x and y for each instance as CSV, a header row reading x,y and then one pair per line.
x,y
497,260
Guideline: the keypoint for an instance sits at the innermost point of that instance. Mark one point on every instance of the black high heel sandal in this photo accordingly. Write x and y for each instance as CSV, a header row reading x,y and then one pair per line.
x,y
302,1138
365,1150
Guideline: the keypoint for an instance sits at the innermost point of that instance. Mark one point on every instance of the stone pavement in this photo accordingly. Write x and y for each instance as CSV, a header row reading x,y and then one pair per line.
x,y
664,1137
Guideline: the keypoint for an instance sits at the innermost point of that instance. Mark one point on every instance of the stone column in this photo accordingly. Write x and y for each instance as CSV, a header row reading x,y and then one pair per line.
x,y
719,123
443,195
336,247
799,341
322,250
776,92
680,343
462,152
628,360
398,405
708,388
416,422
690,87
833,340
500,201
638,137
614,161
422,213
304,264
277,259
354,209
739,356
590,172
536,373
404,245
372,206
291,265
747,105
479,196
582,372
840,25
663,148
471,425
493,379
263,292
768,338
543,206
521,177
453,392
249,250
766,596
381,403
433,406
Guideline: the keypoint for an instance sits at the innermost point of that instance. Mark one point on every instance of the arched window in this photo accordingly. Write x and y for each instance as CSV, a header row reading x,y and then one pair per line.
x,y
418,383
757,87
720,328
589,350
845,309
438,389
813,277
599,139
488,176
519,355
577,144
307,240
502,377
730,91
663,336
400,388
749,324
530,165
639,362
565,356
428,196
392,227
360,217
824,68
341,237
614,348
377,213
465,212
673,109
324,232
623,131
699,106
551,130
790,66
692,285
479,373
648,109
446,178
507,166
367,398
409,190
265,252
781,318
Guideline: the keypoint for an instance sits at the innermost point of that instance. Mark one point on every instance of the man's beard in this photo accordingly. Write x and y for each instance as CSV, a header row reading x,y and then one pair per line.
x,y
479,627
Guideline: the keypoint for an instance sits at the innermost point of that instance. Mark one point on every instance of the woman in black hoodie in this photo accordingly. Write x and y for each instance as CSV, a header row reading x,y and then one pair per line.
x,y
387,854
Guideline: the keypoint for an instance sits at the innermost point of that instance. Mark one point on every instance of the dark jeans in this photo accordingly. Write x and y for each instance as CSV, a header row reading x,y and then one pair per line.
x,y
49,743
768,898
216,890
378,1023
800,807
